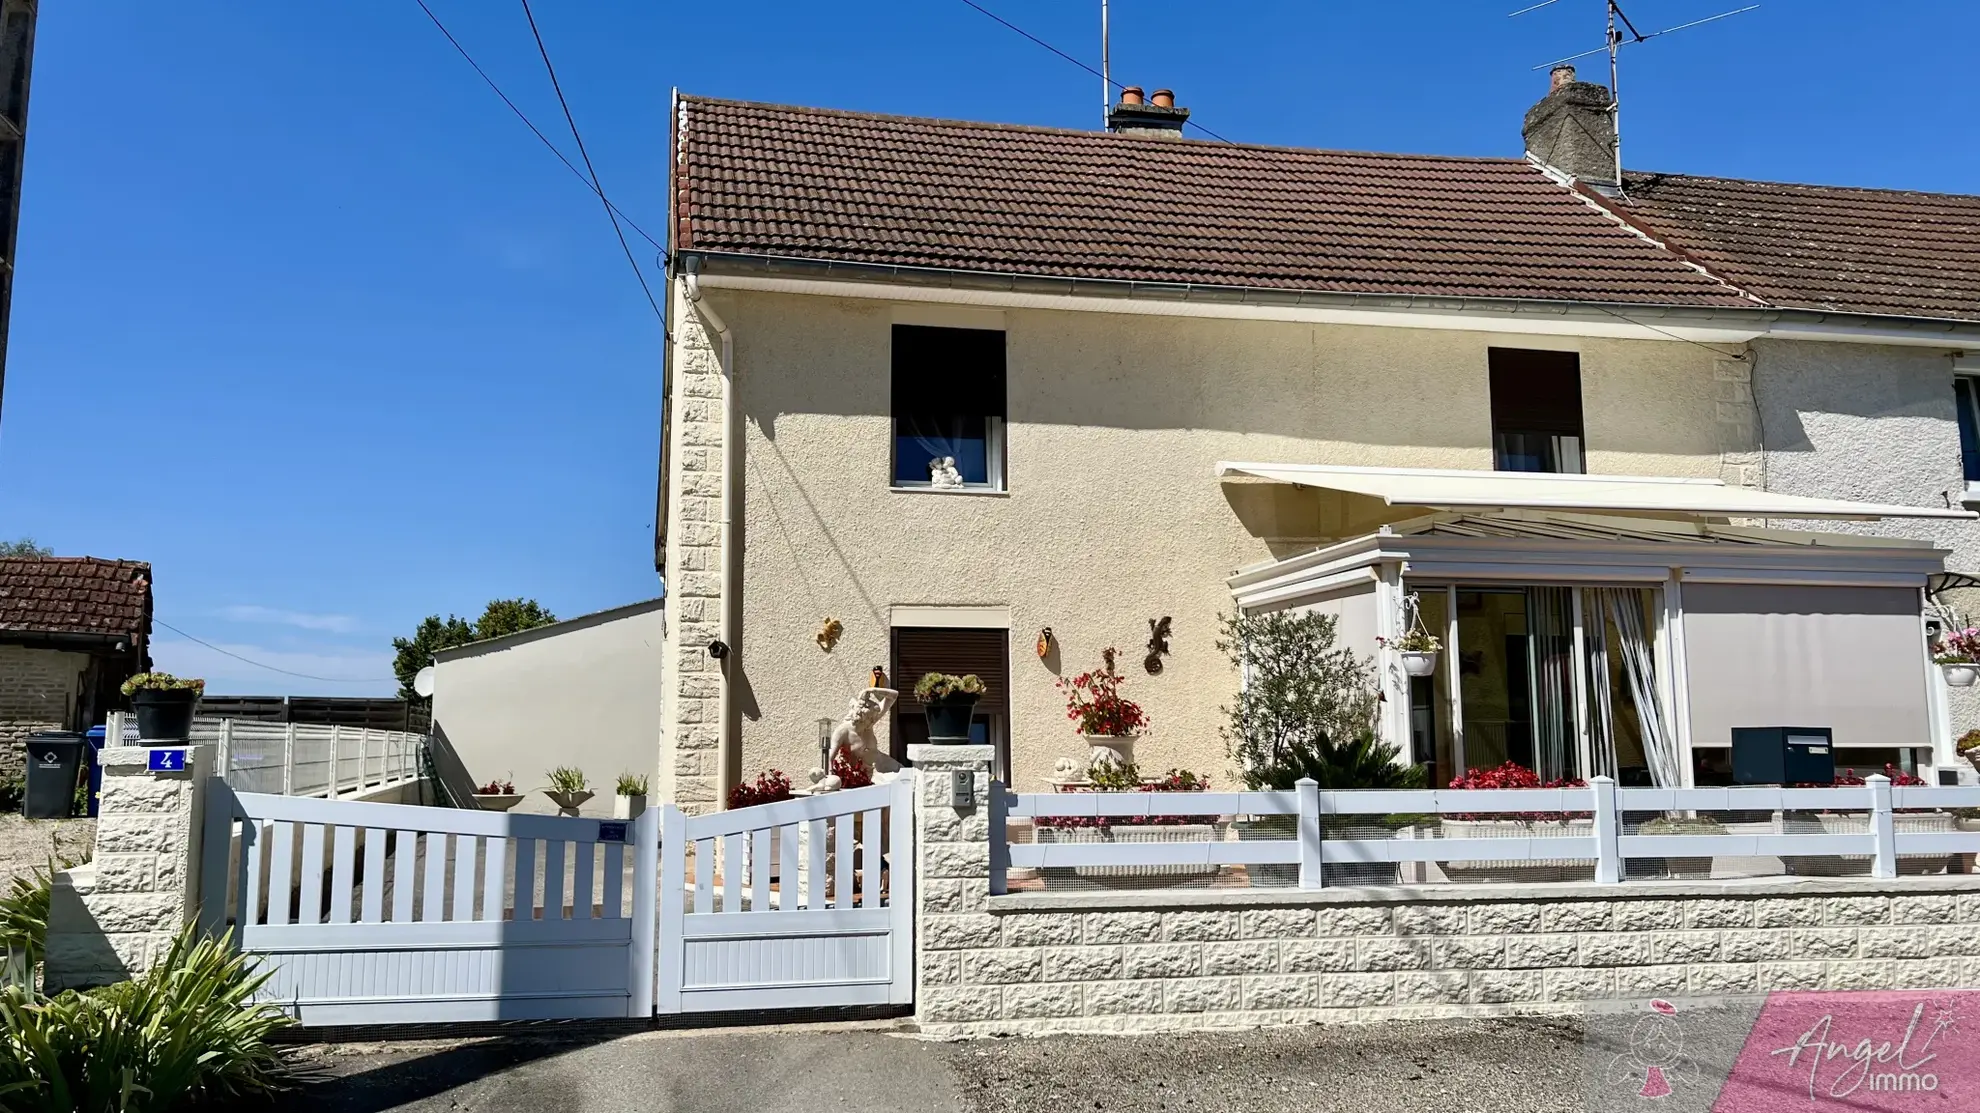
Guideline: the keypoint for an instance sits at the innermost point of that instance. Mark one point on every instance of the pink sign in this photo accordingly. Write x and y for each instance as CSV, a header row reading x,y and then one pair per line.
x,y
1888,1051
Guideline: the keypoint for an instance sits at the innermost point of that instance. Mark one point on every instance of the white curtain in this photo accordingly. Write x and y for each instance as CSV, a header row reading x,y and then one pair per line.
x,y
1660,748
1550,637
1601,703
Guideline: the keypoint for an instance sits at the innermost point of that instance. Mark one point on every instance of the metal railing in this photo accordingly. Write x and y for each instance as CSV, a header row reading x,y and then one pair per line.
x,y
300,759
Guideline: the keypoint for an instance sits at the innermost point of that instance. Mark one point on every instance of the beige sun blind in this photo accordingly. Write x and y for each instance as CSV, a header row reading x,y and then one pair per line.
x,y
919,650
1848,658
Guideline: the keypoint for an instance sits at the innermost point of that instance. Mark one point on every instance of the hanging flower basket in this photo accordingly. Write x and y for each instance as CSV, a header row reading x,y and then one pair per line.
x,y
1417,663
1958,657
1960,674
1417,647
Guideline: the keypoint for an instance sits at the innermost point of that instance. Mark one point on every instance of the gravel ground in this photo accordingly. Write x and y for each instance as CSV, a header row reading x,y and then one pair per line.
x,y
29,844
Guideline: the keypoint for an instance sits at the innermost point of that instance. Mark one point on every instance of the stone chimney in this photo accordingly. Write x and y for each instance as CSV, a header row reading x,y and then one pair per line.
x,y
1573,130
1157,117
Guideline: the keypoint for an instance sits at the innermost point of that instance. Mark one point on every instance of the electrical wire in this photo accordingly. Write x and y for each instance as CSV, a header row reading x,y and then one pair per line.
x,y
272,668
1082,65
598,187
1740,356
456,43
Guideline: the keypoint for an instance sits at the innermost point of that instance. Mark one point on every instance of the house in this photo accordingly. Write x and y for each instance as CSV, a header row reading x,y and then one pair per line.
x,y
581,692
1655,455
72,630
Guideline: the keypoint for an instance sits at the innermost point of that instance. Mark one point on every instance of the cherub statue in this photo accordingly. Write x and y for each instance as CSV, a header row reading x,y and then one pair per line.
x,y
855,738
942,472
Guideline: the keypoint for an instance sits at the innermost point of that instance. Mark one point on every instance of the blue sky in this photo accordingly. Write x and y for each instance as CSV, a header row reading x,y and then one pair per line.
x,y
304,317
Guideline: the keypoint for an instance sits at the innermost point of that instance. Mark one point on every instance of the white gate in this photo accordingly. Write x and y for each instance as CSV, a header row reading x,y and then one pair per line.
x,y
798,904
433,914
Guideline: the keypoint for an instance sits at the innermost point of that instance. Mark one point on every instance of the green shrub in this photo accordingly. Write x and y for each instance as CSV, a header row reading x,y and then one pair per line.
x,y
632,784
161,682
24,919
13,793
185,1035
565,778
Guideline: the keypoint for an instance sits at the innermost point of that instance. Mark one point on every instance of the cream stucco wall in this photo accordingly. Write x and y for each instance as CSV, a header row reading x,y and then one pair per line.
x,y
1872,423
1113,514
585,692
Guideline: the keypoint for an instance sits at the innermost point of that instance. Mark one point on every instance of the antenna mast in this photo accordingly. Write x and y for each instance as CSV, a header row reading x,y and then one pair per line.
x,y
1106,70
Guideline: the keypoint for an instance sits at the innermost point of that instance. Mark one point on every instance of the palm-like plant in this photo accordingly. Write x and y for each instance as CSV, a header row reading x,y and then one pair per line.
x,y
1362,761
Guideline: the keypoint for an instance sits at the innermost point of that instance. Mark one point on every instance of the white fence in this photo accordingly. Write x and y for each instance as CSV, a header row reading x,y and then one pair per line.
x,y
300,759
1601,833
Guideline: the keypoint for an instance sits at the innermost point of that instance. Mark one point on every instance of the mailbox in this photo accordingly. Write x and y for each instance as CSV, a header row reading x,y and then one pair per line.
x,y
1783,755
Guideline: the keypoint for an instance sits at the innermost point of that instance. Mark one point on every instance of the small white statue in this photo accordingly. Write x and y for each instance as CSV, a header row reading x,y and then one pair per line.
x,y
942,472
854,738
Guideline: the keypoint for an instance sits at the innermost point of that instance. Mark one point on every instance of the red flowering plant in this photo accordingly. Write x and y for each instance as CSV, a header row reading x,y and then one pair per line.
x,y
850,772
1514,775
1094,701
1126,777
497,788
769,787
1850,778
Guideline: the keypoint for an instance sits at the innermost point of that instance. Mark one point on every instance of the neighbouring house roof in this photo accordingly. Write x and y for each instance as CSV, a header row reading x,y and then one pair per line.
x,y
848,187
1877,251
813,183
75,595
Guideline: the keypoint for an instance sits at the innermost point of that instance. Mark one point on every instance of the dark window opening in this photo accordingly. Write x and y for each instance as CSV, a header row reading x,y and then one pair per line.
x,y
948,401
1536,410
1966,396
986,653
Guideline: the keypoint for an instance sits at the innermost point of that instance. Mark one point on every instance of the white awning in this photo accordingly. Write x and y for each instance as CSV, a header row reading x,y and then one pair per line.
x,y
1437,489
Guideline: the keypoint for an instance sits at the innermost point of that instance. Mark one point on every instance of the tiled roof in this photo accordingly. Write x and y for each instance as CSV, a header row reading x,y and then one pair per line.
x,y
1880,251
851,187
75,595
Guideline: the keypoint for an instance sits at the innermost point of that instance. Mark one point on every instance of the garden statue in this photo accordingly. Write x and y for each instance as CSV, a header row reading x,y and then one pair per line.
x,y
942,472
855,738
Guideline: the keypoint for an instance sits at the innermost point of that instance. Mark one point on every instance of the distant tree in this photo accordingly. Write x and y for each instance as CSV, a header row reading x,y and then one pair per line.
x,y
25,547
501,616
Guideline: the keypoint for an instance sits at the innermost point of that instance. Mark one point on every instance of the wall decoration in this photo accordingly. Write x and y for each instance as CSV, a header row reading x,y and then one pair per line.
x,y
828,634
1044,643
1158,644
879,677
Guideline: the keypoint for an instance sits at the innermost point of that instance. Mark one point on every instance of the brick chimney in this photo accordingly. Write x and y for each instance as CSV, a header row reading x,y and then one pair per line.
x,y
1573,130
1157,118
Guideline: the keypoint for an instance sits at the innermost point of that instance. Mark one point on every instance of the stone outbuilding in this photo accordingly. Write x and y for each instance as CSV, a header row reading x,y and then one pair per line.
x,y
72,629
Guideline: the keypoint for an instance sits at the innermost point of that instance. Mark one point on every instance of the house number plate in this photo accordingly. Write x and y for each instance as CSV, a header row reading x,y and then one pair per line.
x,y
165,761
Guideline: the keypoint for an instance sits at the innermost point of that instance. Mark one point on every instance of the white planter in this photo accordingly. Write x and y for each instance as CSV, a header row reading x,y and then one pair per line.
x,y
568,802
1108,749
628,807
1533,870
1190,832
497,801
1419,664
1858,823
1960,676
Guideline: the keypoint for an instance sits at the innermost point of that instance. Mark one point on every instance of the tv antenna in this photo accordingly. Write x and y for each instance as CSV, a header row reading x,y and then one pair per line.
x,y
1621,32
1106,72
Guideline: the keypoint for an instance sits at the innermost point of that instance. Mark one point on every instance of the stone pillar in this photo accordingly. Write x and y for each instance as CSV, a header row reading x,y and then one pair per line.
x,y
952,883
111,919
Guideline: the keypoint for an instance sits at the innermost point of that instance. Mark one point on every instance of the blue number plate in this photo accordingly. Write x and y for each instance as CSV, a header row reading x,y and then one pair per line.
x,y
165,761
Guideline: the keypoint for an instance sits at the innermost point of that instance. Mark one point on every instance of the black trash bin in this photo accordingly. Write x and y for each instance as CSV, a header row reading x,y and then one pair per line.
x,y
54,760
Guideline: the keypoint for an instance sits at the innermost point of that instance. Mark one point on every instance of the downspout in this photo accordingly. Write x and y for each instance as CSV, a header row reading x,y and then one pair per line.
x,y
731,481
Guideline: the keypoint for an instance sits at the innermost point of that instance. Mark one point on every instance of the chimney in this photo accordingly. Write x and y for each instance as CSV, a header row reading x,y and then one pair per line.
x,y
1573,130
1157,118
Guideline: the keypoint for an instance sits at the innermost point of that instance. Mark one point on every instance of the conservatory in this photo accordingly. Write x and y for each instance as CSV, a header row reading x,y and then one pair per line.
x,y
1616,625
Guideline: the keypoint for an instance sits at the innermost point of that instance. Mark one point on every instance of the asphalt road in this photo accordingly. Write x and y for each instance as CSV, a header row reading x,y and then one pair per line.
x,y
1449,1067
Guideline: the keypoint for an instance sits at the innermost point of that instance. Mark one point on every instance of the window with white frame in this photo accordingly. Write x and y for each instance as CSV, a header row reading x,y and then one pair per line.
x,y
948,405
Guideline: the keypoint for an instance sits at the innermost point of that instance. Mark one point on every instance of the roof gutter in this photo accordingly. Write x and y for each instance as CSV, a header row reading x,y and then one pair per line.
x,y
1698,324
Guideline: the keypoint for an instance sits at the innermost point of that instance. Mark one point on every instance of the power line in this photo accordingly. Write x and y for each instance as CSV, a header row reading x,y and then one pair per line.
x,y
456,43
1082,65
1741,356
271,668
598,187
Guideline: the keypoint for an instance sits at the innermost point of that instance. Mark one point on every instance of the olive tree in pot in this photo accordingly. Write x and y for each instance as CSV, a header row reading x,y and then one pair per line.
x,y
164,704
1306,711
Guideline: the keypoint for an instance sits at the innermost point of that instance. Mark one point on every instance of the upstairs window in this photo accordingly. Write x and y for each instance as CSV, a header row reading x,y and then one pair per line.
x,y
1966,398
948,406
1536,410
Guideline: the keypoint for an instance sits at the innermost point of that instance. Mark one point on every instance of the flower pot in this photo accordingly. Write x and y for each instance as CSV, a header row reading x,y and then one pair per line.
x,y
1857,823
1108,750
1961,675
568,802
497,801
1531,871
164,714
628,807
1188,832
1418,663
949,718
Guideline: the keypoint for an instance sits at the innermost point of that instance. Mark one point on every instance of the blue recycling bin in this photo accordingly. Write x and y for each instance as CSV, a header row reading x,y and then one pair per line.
x,y
94,756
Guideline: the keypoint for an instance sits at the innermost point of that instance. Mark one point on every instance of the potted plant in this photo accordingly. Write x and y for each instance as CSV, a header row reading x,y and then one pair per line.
x,y
1909,821
497,796
1958,657
569,789
1517,825
950,703
629,799
1107,720
1695,867
1969,747
1418,650
769,788
164,704
1125,777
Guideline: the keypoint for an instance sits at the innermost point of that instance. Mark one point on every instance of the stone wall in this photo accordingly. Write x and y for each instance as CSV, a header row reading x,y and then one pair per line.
x,y
1179,959
37,692
113,918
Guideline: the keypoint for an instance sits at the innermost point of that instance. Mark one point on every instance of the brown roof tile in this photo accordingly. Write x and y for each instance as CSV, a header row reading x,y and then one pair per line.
x,y
75,595
850,187
1879,251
